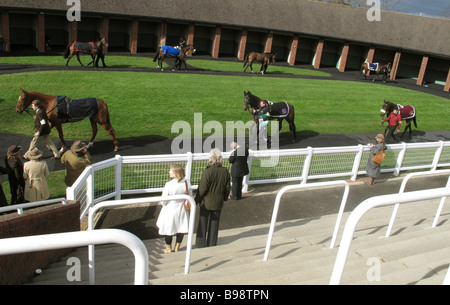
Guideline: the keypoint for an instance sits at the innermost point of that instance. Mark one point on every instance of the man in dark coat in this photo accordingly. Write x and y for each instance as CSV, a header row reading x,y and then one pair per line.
x,y
15,176
239,168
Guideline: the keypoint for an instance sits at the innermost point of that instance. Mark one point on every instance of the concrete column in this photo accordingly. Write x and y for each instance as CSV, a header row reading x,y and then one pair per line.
x,y
293,51
344,56
269,41
190,37
73,31
447,83
163,34
242,44
370,56
105,30
318,56
5,32
40,32
216,42
134,36
423,69
395,65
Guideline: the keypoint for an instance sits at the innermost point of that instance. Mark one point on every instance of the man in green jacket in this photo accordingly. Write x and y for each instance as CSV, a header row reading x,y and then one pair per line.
x,y
212,192
75,160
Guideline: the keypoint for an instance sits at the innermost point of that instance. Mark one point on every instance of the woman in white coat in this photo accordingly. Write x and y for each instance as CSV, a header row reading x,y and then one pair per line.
x,y
173,219
35,173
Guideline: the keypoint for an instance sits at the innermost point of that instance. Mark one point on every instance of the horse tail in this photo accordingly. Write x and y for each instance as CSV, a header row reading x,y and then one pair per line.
x,y
67,52
156,55
414,120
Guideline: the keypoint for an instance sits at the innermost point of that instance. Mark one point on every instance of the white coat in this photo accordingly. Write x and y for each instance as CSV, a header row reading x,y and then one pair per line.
x,y
173,218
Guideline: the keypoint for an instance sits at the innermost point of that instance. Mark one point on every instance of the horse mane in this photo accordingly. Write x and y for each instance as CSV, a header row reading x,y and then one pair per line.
x,y
33,95
253,98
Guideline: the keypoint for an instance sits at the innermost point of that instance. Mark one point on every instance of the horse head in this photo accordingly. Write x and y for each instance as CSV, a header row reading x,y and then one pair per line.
x,y
187,48
102,43
387,108
250,101
273,57
23,102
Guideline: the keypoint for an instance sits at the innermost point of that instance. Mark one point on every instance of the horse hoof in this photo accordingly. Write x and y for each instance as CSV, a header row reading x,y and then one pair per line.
x,y
116,148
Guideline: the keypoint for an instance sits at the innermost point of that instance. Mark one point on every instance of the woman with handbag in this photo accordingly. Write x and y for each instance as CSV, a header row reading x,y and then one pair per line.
x,y
173,219
373,164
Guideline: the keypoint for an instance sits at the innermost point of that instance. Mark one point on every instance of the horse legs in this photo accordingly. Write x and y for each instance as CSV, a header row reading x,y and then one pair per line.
x,y
68,59
78,57
58,127
92,62
108,127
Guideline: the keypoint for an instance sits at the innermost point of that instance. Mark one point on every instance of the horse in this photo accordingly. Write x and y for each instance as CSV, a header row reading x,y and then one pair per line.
x,y
407,112
263,58
179,54
385,70
251,103
90,48
61,109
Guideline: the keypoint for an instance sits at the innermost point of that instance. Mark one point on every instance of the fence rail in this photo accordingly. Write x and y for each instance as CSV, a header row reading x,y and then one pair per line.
x,y
126,175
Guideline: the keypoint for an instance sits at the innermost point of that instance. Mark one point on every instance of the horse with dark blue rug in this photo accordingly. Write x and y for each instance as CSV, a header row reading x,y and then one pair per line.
x,y
384,70
178,53
277,111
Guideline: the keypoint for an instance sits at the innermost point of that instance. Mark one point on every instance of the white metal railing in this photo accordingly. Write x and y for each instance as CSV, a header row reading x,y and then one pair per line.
x,y
363,208
125,175
21,206
402,189
79,239
109,204
304,186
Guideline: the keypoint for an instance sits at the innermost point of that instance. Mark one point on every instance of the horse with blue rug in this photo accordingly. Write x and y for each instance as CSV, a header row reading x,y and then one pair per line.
x,y
179,53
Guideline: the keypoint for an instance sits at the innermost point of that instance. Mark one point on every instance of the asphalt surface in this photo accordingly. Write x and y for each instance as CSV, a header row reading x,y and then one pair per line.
x,y
256,207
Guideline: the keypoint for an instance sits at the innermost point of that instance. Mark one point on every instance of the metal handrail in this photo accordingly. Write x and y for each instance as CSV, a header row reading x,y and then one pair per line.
x,y
19,207
116,203
363,208
303,186
402,189
79,239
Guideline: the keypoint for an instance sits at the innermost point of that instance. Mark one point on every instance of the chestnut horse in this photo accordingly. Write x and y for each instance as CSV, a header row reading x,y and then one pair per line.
x,y
407,112
99,113
180,55
90,48
251,103
385,70
263,58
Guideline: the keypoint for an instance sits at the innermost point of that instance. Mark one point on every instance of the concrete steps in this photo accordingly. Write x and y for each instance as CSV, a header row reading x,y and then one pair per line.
x,y
415,253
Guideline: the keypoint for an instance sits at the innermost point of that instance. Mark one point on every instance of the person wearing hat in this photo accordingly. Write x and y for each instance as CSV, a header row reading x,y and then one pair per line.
x,y
372,168
42,133
15,176
35,173
75,161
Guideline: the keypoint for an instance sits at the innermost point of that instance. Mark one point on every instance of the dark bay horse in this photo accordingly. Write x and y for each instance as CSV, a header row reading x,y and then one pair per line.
x,y
251,103
263,58
179,54
407,112
90,48
58,113
384,70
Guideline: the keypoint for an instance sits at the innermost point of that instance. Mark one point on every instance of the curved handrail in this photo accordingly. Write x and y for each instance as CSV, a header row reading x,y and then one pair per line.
x,y
363,208
303,186
402,189
19,207
116,203
79,239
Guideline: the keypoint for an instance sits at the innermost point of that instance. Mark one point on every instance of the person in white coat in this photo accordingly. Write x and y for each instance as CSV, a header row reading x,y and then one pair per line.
x,y
173,219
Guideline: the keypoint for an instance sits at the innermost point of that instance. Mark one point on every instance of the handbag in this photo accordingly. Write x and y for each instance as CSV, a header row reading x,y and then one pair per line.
x,y
187,204
379,157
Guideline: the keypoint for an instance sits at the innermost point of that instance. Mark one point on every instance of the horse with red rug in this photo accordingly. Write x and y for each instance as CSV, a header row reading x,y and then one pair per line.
x,y
407,112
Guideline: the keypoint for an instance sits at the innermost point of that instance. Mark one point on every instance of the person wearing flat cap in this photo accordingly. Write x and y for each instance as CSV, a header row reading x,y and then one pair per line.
x,y
75,161
373,169
35,173
14,164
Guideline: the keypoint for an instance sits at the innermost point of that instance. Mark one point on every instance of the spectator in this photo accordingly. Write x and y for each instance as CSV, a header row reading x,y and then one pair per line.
x,y
372,168
239,168
42,133
75,161
395,120
212,192
3,201
16,181
35,173
173,219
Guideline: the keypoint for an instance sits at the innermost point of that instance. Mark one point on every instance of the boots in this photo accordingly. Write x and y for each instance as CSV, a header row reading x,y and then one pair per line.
x,y
370,180
177,247
168,248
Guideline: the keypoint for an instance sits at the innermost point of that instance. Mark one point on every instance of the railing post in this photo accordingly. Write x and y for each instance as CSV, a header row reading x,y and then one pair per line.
x,y
398,164
118,177
437,156
90,187
307,165
188,170
357,162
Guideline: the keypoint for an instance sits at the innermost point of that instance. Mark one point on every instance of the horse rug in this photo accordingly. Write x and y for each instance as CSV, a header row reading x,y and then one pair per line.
x,y
407,112
373,66
84,47
67,108
171,51
279,109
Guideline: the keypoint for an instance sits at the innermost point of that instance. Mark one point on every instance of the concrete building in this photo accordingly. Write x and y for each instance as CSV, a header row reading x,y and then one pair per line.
x,y
299,31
